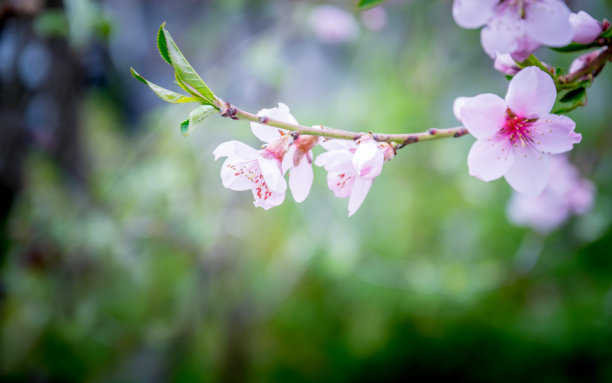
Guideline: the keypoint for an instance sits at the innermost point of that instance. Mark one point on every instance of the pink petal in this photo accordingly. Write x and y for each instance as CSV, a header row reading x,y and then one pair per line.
x,y
483,115
268,133
586,29
288,159
341,181
361,187
368,160
457,105
270,169
531,93
267,201
555,134
506,64
300,180
334,144
235,149
502,34
489,159
547,22
473,13
239,175
334,159
529,173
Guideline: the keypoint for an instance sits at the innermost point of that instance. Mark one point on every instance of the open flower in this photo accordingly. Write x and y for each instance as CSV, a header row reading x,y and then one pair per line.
x,y
517,27
585,28
566,194
296,157
351,167
249,169
516,135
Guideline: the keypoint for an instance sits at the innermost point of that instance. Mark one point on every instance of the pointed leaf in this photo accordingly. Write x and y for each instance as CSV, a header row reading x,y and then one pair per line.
x,y
196,117
185,73
163,93
162,46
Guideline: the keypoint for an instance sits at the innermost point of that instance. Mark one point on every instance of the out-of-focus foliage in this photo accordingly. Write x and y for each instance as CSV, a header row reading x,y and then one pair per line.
x,y
149,270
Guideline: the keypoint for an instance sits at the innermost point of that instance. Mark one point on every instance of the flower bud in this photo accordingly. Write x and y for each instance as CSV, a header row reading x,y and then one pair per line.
x,y
586,28
368,159
277,148
506,64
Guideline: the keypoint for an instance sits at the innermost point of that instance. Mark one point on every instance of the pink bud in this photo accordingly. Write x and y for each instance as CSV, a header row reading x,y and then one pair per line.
x,y
506,64
586,28
368,159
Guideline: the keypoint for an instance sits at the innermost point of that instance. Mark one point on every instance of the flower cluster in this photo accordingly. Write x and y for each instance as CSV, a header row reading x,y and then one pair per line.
x,y
519,27
351,166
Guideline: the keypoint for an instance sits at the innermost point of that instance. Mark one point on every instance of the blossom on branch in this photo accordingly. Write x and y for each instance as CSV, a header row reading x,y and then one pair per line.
x,y
517,27
351,167
294,154
249,169
566,194
515,136
585,28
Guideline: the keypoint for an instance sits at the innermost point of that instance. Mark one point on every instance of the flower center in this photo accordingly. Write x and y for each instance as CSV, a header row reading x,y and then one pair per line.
x,y
516,129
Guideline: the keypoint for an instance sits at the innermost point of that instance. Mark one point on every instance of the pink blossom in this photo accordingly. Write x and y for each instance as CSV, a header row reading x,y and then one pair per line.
x,y
584,60
295,155
585,28
351,168
515,136
333,25
517,27
506,64
258,170
566,194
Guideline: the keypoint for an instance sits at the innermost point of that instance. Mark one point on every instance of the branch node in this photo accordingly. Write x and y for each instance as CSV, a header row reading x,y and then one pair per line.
x,y
432,131
263,119
229,111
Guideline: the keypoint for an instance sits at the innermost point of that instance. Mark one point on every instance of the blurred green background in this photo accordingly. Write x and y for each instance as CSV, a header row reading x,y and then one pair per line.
x,y
125,260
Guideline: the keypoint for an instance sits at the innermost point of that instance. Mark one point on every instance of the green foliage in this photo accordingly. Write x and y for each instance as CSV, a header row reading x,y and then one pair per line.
x,y
196,117
186,76
163,93
574,98
365,4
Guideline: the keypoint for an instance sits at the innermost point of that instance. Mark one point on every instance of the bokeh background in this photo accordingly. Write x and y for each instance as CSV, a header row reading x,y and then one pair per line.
x,y
125,260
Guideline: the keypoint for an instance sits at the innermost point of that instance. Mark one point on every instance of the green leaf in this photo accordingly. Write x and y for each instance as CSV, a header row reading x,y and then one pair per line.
x,y
185,73
573,47
185,127
196,117
364,4
575,98
161,44
163,93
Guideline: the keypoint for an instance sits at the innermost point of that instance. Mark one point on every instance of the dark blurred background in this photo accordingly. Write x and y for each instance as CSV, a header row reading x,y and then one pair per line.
x,y
123,258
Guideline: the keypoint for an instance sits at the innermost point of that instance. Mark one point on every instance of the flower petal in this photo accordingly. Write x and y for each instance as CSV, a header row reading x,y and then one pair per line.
x,y
473,13
368,159
288,159
489,159
586,29
266,198
334,144
239,175
483,115
547,22
457,105
361,187
334,159
268,133
300,180
531,93
530,171
272,175
235,149
502,34
555,134
341,181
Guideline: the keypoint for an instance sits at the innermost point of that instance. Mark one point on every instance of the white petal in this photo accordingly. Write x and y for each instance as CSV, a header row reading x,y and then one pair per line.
x,y
502,34
473,13
266,198
368,160
530,171
531,93
457,105
270,169
288,159
483,115
300,180
334,158
547,22
235,149
239,175
361,187
335,144
489,160
586,29
268,133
